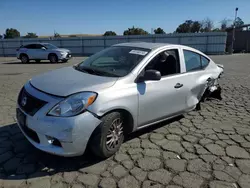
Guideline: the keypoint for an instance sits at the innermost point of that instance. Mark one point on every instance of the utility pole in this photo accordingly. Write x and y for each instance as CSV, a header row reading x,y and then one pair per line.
x,y
233,35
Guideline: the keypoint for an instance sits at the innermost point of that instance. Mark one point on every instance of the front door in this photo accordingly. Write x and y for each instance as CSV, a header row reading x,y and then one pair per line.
x,y
40,53
166,97
161,99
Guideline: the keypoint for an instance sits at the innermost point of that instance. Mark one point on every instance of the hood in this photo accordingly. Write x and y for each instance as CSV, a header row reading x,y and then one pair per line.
x,y
61,50
66,81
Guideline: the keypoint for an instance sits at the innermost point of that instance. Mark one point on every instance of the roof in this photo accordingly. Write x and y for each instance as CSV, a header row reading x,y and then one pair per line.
x,y
147,45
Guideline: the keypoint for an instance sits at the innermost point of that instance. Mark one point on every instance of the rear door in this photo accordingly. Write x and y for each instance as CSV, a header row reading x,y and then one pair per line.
x,y
31,51
195,76
166,97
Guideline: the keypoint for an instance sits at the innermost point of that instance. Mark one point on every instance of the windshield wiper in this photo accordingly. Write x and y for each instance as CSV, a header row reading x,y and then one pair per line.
x,y
86,69
94,71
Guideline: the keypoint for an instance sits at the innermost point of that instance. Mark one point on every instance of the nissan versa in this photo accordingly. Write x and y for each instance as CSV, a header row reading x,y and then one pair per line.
x,y
114,92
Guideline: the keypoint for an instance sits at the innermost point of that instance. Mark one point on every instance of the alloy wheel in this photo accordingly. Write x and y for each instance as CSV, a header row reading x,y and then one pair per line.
x,y
53,59
114,134
24,59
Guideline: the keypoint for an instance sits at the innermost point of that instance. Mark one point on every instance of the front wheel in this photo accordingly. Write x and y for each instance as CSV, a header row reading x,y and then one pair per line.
x,y
53,58
108,136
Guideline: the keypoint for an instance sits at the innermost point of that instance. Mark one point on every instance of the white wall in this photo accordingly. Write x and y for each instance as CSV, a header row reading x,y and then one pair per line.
x,y
210,43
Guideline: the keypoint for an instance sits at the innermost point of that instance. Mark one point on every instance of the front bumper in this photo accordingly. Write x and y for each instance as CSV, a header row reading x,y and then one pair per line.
x,y
72,133
65,56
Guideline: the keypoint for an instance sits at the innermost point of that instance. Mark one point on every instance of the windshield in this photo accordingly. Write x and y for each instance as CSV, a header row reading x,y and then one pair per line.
x,y
115,61
50,46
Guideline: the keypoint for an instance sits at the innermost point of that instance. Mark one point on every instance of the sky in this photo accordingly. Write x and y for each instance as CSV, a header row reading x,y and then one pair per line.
x,y
43,17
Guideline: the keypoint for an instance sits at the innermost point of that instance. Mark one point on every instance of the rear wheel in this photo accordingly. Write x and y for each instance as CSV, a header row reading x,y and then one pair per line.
x,y
24,58
53,58
108,136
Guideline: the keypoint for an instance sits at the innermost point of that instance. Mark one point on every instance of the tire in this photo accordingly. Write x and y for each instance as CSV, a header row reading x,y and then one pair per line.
x,y
65,60
38,61
24,58
53,58
101,143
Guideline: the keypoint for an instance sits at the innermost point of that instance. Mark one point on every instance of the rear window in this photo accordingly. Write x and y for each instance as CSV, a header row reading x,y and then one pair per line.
x,y
204,62
30,46
194,61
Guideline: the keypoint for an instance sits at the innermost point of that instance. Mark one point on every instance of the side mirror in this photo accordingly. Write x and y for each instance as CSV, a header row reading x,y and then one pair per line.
x,y
43,48
150,75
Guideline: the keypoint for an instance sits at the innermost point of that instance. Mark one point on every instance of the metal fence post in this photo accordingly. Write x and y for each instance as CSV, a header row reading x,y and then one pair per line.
x,y
60,43
82,41
104,41
3,49
207,44
153,38
179,39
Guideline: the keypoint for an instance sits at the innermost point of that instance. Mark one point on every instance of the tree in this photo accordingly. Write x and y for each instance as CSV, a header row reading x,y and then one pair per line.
x,y
224,24
207,25
159,31
189,26
196,27
11,33
184,27
216,30
57,35
109,33
135,31
30,35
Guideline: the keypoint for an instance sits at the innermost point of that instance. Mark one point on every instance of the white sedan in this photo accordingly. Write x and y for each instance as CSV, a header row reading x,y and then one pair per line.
x,y
118,90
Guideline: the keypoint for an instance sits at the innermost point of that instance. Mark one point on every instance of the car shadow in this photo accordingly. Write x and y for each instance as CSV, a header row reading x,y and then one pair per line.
x,y
19,160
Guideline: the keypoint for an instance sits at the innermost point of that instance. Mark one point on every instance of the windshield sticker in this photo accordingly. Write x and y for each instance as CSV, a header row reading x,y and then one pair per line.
x,y
138,52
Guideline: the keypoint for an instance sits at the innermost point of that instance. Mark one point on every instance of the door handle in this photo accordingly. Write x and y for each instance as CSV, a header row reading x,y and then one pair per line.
x,y
178,85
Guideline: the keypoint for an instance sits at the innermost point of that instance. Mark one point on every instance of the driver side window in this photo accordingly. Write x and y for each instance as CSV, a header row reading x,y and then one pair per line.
x,y
39,46
166,62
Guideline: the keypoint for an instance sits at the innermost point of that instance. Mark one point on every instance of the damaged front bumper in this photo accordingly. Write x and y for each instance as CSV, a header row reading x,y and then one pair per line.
x,y
63,136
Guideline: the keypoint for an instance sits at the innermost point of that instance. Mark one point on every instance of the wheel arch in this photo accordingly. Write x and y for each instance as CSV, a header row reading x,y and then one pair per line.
x,y
52,53
129,124
21,54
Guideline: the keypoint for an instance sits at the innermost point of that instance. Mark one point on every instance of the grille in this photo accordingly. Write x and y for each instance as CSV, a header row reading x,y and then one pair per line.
x,y
21,117
29,103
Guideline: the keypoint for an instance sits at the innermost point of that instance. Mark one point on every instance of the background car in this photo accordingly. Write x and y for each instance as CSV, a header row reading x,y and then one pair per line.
x,y
114,92
42,51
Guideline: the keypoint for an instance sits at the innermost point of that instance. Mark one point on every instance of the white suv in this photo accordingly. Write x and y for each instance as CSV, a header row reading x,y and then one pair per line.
x,y
42,51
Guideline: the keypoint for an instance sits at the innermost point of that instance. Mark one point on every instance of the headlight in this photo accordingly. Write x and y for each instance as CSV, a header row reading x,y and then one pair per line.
x,y
73,105
62,53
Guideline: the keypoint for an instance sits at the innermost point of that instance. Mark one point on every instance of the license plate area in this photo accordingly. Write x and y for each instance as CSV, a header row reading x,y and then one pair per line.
x,y
21,118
